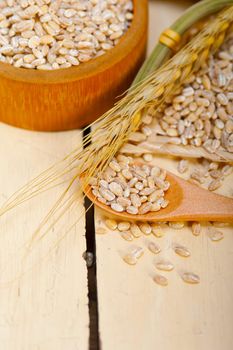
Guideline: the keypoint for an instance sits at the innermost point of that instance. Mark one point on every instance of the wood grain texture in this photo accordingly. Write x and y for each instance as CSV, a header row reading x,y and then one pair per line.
x,y
43,290
71,98
137,314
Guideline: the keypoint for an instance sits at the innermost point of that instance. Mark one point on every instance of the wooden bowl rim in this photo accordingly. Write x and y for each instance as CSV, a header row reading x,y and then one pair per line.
x,y
90,68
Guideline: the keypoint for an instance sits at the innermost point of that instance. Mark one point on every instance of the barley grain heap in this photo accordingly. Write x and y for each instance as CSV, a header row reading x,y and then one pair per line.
x,y
201,111
53,34
136,189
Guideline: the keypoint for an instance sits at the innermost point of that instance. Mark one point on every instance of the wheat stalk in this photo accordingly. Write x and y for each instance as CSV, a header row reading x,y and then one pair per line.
x,y
171,149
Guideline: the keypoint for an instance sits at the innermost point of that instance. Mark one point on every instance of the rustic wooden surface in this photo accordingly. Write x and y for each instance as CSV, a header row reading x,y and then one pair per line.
x,y
137,314
70,98
43,292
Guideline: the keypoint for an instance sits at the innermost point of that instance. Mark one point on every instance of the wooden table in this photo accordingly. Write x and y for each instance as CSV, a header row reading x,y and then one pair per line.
x,y
44,286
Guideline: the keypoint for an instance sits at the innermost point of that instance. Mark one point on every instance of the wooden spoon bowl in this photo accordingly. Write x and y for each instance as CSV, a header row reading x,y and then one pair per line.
x,y
187,202
71,98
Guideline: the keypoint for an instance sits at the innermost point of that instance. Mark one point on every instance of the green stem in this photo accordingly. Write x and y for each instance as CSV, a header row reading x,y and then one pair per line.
x,y
189,17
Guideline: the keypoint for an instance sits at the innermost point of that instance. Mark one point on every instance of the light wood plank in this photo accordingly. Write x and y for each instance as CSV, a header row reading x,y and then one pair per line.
x,y
137,314
43,292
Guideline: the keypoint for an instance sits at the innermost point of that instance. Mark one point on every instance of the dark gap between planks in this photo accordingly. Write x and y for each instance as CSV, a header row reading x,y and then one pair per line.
x,y
91,272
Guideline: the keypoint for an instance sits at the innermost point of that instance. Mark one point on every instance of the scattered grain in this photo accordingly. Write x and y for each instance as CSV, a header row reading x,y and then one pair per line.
x,y
130,259
145,228
127,236
176,224
111,224
181,251
154,248
137,252
101,230
135,230
157,230
190,277
196,228
123,226
161,280
164,265
214,234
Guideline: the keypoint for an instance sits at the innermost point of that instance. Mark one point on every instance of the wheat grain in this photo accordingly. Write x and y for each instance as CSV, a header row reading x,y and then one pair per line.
x,y
178,225
135,230
137,252
127,236
190,277
145,228
181,251
101,230
111,224
161,280
131,188
164,265
154,248
157,230
123,226
196,228
130,259
214,234
60,33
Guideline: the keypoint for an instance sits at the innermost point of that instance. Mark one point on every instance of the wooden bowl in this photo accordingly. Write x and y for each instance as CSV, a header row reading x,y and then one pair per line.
x,y
71,98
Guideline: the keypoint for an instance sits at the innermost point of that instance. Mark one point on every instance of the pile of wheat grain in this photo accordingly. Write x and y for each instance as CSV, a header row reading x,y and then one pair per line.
x,y
53,34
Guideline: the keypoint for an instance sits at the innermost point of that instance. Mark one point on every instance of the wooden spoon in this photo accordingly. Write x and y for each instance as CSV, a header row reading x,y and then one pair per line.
x,y
187,202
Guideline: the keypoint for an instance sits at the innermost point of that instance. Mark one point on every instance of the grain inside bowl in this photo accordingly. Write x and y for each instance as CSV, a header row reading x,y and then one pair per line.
x,y
53,34
62,99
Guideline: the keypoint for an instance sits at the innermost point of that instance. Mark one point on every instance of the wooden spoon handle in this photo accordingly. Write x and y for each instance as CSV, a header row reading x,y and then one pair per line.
x,y
200,204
